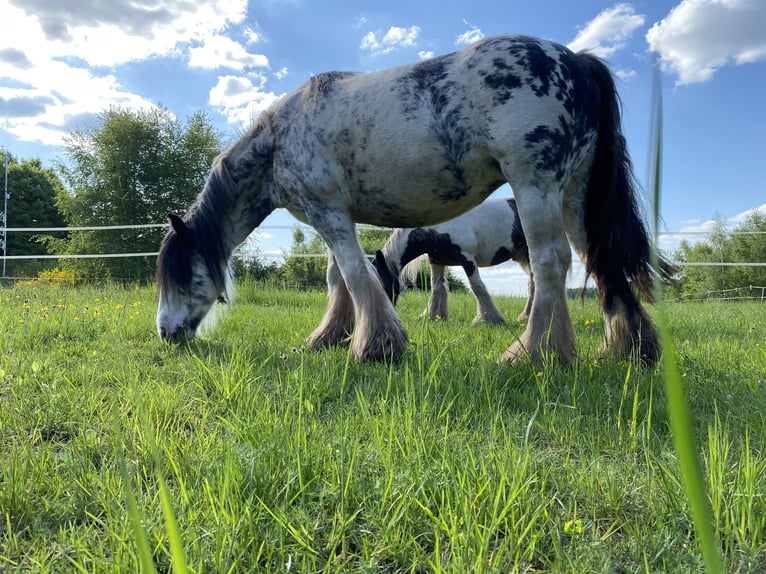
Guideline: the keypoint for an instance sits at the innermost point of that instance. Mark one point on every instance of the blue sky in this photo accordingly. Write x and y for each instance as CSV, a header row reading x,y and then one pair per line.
x,y
63,62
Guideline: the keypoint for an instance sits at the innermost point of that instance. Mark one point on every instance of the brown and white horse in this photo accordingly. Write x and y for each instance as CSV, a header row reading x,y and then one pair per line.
x,y
422,143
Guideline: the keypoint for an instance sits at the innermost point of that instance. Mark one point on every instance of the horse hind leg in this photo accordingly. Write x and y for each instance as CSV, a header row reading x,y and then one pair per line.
x,y
549,329
338,321
486,310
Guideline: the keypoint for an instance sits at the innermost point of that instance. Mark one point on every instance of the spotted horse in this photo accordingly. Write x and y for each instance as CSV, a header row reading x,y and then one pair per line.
x,y
416,145
487,235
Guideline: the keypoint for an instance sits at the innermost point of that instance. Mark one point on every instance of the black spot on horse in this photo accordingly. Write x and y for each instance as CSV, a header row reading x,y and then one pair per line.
x,y
542,69
438,246
551,145
425,84
501,255
503,80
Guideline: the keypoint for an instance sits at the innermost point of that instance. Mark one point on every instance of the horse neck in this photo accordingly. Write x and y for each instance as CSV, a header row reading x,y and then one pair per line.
x,y
238,193
396,250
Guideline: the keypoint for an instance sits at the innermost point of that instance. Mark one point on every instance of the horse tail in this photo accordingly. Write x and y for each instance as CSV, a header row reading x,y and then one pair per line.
x,y
618,246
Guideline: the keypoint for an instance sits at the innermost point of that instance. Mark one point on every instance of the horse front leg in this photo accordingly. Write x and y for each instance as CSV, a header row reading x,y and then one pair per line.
x,y
549,330
338,321
437,309
378,333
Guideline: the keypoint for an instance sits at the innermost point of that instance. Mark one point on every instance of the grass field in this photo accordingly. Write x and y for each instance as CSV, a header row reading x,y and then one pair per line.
x,y
243,452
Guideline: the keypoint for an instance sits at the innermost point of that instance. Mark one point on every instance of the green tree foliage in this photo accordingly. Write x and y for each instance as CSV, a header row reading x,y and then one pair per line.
x,y
32,203
746,243
373,239
132,168
301,269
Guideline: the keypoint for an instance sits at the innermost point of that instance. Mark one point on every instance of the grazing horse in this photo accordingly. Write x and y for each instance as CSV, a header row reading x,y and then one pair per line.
x,y
487,235
422,143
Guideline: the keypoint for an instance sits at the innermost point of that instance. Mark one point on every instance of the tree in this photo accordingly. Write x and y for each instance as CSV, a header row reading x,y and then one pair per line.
x,y
306,265
33,190
132,168
746,243
749,245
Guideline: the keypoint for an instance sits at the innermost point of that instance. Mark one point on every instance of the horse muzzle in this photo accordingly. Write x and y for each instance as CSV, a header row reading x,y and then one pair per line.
x,y
180,334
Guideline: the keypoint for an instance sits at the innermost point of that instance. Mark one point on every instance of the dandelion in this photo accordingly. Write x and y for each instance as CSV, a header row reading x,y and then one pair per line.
x,y
573,527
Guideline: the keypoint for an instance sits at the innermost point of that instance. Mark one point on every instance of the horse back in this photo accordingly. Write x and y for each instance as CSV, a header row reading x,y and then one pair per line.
x,y
421,143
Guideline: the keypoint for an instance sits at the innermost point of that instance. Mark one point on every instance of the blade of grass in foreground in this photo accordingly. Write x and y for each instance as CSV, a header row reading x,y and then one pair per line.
x,y
681,421
143,549
171,525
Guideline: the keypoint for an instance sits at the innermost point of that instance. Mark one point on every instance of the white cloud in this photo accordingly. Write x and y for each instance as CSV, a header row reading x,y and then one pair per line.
x,y
241,98
252,36
281,73
608,31
62,56
473,34
221,52
425,54
395,37
698,37
624,74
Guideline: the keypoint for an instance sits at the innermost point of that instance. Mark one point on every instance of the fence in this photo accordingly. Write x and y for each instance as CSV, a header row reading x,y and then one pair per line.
x,y
728,294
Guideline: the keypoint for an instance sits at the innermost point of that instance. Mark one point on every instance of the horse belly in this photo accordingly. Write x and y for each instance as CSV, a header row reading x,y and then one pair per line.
x,y
421,192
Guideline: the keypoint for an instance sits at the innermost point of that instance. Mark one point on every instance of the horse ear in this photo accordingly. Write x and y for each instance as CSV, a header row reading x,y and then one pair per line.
x,y
179,227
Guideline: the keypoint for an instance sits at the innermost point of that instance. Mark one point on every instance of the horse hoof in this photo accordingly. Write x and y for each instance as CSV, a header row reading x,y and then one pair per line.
x,y
514,355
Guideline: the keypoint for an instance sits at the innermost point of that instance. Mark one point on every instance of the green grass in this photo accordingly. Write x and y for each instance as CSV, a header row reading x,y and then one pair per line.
x,y
244,452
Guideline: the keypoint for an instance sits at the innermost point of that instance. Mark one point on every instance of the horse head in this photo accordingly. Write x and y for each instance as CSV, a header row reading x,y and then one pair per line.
x,y
188,288
392,285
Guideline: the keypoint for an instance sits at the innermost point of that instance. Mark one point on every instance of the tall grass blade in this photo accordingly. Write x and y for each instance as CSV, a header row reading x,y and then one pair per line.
x,y
679,413
171,524
134,513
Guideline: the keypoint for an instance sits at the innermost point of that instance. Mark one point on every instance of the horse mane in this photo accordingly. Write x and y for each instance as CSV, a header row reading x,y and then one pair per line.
x,y
205,219
412,269
319,85
392,250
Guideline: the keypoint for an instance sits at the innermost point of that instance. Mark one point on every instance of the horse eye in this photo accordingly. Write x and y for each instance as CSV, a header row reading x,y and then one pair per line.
x,y
222,299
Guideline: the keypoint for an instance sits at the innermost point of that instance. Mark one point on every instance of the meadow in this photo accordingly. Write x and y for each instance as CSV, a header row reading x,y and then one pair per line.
x,y
244,452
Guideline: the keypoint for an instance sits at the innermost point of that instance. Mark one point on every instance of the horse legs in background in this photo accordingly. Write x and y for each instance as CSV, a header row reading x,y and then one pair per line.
x,y
378,332
486,311
437,304
524,315
549,329
338,320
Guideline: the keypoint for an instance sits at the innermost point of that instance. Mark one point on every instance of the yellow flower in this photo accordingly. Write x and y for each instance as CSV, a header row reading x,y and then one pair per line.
x,y
573,527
